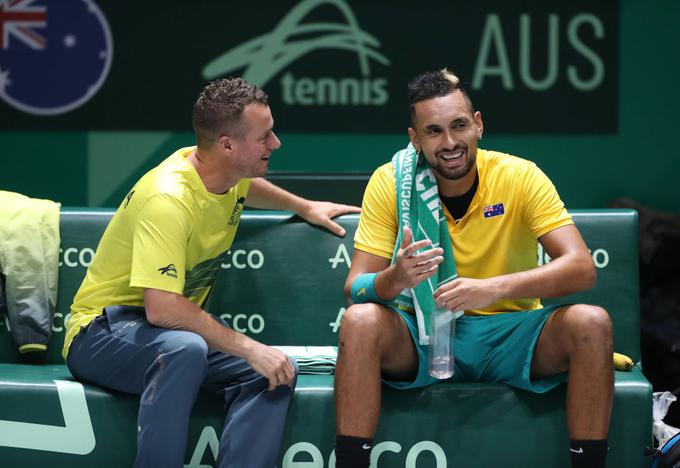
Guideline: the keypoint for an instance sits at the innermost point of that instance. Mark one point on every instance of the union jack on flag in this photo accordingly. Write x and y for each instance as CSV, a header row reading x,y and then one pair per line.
x,y
493,210
18,19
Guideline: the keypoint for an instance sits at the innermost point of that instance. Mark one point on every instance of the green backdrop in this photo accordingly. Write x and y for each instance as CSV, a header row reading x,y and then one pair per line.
x,y
638,159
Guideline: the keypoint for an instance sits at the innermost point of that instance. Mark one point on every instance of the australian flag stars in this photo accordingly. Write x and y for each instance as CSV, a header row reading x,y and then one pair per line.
x,y
493,210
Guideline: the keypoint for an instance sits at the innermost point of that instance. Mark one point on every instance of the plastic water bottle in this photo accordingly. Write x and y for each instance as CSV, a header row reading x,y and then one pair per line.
x,y
440,352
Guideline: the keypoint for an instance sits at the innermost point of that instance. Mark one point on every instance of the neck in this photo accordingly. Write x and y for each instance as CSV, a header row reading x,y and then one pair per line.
x,y
455,188
214,174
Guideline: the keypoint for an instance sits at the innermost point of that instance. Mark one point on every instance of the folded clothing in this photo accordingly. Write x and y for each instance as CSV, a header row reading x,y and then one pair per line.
x,y
315,360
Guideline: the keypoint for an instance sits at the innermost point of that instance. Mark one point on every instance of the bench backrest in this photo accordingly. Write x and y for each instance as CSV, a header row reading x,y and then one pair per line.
x,y
282,281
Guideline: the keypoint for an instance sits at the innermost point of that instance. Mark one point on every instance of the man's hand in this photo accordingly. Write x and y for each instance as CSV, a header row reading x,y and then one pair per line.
x,y
271,363
466,294
321,214
411,267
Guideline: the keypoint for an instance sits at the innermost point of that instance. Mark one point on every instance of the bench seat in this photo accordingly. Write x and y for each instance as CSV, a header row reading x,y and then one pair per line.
x,y
48,418
469,424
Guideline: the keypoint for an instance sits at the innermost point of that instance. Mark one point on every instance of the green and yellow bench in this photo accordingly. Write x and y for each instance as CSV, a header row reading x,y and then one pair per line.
x,y
281,283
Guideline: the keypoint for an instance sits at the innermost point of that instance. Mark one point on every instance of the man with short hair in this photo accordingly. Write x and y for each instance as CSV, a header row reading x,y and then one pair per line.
x,y
443,198
136,322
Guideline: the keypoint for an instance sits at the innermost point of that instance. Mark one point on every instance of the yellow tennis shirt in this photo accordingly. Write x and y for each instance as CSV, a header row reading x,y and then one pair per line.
x,y
169,233
514,205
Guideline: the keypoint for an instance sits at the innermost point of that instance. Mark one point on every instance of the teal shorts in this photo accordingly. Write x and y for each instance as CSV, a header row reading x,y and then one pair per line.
x,y
491,349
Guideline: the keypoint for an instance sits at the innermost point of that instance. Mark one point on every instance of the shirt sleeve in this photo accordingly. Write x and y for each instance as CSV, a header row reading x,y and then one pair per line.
x,y
544,211
377,231
159,245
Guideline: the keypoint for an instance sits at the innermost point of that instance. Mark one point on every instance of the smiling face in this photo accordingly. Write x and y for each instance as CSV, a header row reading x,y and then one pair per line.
x,y
255,141
446,131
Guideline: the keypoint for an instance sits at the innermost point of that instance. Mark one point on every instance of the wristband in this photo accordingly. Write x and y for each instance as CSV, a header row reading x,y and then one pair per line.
x,y
363,289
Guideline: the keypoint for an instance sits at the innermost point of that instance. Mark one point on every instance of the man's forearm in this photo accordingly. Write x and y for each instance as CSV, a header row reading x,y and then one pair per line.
x,y
387,285
571,270
169,310
562,276
410,269
265,195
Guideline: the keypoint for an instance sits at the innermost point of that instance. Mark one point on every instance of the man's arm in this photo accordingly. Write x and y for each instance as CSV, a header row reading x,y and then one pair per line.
x,y
571,270
264,194
410,268
169,310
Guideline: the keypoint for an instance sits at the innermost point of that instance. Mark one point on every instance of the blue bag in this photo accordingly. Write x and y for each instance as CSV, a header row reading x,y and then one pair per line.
x,y
668,456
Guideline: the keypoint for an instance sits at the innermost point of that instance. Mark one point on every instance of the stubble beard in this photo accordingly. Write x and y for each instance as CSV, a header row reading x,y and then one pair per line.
x,y
455,174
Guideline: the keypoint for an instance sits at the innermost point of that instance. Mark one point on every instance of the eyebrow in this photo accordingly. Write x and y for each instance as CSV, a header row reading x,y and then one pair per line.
x,y
267,132
454,121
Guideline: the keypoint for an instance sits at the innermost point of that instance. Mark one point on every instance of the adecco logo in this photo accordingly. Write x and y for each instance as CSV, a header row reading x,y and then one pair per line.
x,y
270,53
208,440
242,259
72,257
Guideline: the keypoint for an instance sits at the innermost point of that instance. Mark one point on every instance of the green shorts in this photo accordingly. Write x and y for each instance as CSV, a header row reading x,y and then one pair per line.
x,y
491,349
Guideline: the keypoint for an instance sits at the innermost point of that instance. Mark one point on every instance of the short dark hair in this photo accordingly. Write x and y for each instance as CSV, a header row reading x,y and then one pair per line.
x,y
434,84
219,107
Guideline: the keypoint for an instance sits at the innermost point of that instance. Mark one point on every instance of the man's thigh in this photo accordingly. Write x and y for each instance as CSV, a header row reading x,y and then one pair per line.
x,y
551,354
401,356
567,330
377,336
117,348
500,349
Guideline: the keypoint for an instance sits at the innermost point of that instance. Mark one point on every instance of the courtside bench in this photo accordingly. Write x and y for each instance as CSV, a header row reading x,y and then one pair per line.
x,y
281,283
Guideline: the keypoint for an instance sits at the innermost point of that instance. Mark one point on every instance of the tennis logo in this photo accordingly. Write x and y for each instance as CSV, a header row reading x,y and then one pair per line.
x,y
169,270
267,55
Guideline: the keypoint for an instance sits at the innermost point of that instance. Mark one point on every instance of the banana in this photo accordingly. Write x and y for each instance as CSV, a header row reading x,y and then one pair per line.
x,y
622,362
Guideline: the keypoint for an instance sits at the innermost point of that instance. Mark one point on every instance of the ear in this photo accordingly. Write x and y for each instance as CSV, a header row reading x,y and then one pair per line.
x,y
414,139
224,143
480,124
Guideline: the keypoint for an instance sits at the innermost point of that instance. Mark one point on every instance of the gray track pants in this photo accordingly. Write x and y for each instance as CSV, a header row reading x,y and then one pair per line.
x,y
120,350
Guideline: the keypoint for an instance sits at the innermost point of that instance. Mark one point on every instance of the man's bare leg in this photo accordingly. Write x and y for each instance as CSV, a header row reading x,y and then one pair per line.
x,y
373,340
578,339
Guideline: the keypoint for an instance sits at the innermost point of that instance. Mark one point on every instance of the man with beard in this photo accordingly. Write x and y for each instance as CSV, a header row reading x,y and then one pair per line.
x,y
496,207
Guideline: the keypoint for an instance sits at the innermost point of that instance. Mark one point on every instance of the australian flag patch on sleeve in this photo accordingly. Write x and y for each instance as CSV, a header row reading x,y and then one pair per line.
x,y
493,210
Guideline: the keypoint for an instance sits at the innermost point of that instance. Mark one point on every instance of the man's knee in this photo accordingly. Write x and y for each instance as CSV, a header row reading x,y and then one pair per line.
x,y
589,325
362,323
186,346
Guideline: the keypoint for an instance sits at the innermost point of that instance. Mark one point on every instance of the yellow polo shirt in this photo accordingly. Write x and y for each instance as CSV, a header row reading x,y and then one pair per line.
x,y
169,233
514,205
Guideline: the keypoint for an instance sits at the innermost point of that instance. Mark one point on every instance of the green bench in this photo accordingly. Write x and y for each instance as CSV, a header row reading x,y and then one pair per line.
x,y
281,283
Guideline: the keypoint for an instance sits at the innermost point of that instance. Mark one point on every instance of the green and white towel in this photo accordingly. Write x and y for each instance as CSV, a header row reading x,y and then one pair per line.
x,y
316,360
419,208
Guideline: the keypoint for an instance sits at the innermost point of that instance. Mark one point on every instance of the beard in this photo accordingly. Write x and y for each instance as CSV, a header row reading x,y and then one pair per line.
x,y
453,173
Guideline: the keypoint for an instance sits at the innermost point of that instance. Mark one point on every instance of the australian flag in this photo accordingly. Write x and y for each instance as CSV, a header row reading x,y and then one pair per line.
x,y
493,210
54,55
